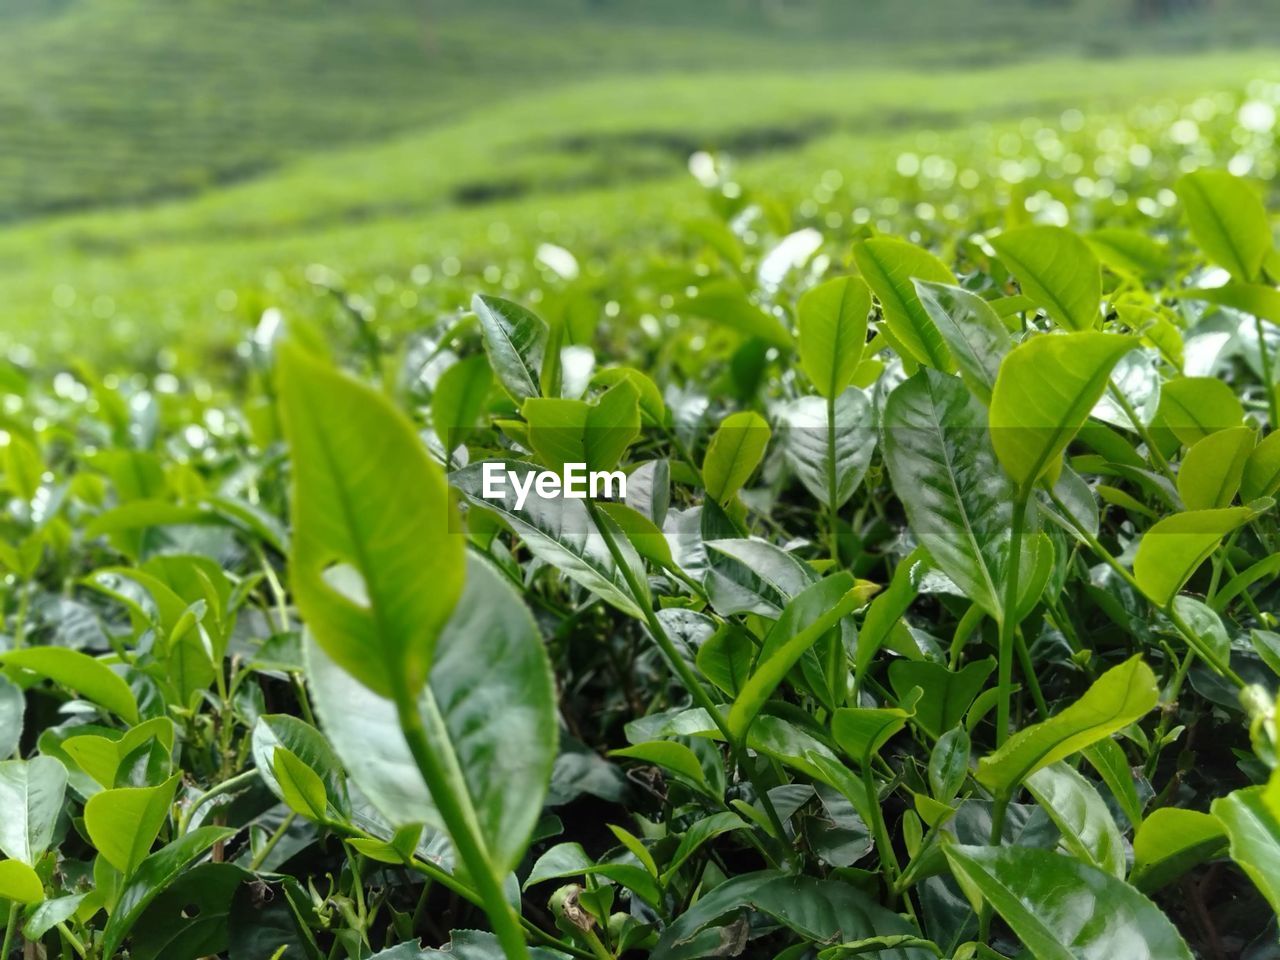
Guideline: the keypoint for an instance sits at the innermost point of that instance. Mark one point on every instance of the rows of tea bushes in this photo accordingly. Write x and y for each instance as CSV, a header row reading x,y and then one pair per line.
x,y
938,618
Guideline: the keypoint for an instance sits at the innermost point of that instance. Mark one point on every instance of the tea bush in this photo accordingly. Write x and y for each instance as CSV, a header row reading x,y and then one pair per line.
x,y
937,619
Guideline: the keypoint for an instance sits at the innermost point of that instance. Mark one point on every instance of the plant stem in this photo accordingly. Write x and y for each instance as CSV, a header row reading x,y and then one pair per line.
x,y
833,511
460,820
1273,399
1193,640
998,810
260,857
72,939
1028,670
226,786
453,885
1162,727
9,929
1143,432
641,597
20,625
1009,615
597,948
880,830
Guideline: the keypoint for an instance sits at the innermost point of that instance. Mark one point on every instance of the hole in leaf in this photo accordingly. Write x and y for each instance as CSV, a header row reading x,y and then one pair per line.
x,y
346,580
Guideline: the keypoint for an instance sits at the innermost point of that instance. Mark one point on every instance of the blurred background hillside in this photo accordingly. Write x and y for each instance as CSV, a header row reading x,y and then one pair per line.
x,y
169,167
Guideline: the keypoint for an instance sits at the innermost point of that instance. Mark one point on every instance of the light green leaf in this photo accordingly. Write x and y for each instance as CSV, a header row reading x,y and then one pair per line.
x,y
1046,387
372,522
1251,817
725,302
736,449
805,619
1211,472
19,882
1170,842
91,678
459,400
862,731
1108,759
1116,699
573,431
124,823
1227,220
889,266
100,756
670,755
653,410
1252,298
1194,407
1081,815
1133,252
31,795
1261,477
645,535
490,706
973,332
515,340
23,466
302,787
305,742
725,659
1062,909
1173,549
1057,270
947,694
832,320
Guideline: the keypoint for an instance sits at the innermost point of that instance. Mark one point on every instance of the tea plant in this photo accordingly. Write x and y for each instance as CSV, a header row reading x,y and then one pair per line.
x,y
937,619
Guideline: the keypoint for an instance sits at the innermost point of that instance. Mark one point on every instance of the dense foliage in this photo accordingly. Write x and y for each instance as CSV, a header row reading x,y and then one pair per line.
x,y
937,620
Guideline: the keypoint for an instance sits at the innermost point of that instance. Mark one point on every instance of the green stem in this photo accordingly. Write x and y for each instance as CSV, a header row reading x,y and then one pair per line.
x,y
9,929
1162,727
460,821
1028,670
226,786
24,608
641,597
452,884
681,449
279,597
998,811
72,940
1101,552
597,948
260,857
888,859
1143,432
1273,396
1009,615
833,511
